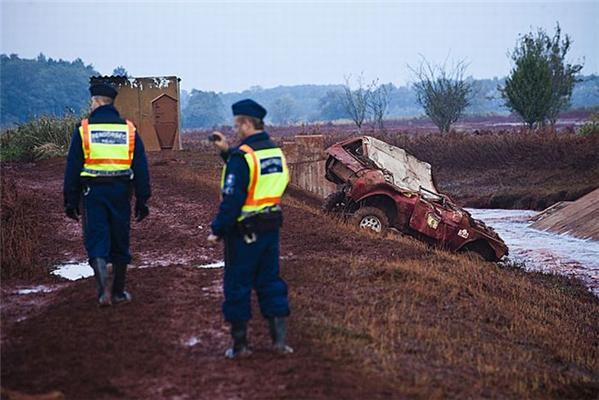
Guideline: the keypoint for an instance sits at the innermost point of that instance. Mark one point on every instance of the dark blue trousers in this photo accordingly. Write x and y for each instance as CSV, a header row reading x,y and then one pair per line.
x,y
106,221
256,266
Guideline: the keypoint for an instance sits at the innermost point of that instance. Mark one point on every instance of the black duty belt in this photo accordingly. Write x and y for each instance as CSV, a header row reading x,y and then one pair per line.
x,y
260,223
109,174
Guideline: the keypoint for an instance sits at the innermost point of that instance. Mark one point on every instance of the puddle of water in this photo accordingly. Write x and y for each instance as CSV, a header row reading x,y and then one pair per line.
x,y
192,341
544,251
35,289
218,264
73,271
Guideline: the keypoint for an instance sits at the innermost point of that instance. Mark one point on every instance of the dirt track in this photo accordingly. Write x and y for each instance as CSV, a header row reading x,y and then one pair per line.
x,y
169,342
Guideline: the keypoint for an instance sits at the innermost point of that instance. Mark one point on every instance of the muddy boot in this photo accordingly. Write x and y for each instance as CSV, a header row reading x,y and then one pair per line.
x,y
240,342
278,333
119,295
101,275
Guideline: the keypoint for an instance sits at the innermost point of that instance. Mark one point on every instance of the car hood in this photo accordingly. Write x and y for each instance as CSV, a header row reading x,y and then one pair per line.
x,y
407,171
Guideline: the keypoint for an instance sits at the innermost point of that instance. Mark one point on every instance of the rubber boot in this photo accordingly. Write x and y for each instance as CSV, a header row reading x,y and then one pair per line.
x,y
278,334
240,342
101,275
119,295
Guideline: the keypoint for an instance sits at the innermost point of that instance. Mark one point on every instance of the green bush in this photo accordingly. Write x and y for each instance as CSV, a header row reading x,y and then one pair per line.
x,y
591,127
38,139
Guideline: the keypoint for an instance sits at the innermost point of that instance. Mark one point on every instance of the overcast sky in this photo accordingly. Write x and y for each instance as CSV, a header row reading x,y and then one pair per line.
x,y
230,46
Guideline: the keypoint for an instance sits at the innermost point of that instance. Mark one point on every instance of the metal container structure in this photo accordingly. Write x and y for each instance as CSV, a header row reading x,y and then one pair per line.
x,y
152,103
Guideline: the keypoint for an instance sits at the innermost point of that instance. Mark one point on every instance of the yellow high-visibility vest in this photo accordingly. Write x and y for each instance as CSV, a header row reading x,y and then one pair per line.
x,y
107,148
269,176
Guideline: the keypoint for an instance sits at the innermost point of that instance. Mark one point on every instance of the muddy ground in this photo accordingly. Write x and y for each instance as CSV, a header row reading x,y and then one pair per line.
x,y
371,317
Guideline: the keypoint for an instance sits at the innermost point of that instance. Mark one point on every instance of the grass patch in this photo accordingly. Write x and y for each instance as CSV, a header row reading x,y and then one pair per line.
x,y
45,137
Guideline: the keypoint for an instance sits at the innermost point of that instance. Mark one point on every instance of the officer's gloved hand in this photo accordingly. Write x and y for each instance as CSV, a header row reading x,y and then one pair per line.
x,y
220,141
141,210
212,238
72,212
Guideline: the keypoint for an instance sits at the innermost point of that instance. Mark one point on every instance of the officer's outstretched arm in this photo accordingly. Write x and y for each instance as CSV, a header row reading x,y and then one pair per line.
x,y
221,143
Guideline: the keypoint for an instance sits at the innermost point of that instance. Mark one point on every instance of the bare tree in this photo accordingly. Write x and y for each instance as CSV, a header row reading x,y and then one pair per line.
x,y
379,103
355,101
444,94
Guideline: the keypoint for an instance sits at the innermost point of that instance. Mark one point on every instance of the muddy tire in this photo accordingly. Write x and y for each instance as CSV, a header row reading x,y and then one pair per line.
x,y
334,203
371,218
481,250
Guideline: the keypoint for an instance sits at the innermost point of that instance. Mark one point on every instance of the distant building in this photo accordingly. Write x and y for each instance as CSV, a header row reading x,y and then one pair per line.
x,y
153,105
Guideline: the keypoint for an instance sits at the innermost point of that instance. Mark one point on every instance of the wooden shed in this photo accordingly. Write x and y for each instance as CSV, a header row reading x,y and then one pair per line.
x,y
152,103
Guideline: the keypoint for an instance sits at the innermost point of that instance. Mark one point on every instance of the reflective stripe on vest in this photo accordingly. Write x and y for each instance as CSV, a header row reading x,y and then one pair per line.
x,y
269,177
107,148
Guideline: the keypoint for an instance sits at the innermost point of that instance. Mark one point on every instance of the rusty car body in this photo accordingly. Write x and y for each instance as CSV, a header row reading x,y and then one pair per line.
x,y
381,186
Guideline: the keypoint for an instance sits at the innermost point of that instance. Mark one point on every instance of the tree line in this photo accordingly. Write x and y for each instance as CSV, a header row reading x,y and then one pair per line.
x,y
538,88
42,86
541,84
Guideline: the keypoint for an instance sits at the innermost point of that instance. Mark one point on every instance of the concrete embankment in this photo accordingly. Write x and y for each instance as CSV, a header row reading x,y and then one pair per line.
x,y
579,218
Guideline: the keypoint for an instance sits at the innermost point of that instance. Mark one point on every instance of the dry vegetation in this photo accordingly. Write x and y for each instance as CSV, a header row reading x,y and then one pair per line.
x,y
439,325
20,231
37,139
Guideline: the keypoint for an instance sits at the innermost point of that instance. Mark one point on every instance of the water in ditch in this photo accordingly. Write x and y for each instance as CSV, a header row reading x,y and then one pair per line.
x,y
544,251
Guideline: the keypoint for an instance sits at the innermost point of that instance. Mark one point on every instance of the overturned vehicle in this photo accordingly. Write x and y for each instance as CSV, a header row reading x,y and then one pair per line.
x,y
382,187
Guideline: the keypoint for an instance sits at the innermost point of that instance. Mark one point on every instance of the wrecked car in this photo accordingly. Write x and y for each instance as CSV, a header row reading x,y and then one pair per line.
x,y
383,187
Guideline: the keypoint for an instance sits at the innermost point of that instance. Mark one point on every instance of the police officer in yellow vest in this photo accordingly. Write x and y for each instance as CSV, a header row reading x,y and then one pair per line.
x,y
249,217
106,160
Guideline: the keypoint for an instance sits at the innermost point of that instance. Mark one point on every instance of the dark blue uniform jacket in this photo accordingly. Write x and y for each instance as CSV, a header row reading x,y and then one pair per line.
x,y
237,178
72,181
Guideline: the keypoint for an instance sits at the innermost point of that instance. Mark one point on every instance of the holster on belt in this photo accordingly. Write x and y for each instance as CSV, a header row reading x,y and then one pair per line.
x,y
261,222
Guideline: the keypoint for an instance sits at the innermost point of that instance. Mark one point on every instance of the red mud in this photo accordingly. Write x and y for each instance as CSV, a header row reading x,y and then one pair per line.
x,y
63,341
169,342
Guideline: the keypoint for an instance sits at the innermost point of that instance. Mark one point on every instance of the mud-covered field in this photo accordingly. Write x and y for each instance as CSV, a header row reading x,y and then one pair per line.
x,y
371,317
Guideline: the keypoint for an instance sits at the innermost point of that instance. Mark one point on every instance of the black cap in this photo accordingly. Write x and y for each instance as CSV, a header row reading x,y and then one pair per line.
x,y
103,89
250,108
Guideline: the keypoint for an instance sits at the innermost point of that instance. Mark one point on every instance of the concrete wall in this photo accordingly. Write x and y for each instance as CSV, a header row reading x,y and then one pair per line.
x,y
306,159
579,218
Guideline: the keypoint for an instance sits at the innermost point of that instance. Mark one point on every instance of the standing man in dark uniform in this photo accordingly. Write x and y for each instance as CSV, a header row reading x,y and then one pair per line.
x,y
105,159
253,181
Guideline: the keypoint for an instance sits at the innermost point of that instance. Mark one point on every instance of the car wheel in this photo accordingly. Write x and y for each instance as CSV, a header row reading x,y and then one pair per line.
x,y
371,218
481,250
334,202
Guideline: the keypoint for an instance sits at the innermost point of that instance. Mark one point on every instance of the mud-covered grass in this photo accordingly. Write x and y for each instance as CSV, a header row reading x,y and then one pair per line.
x,y
444,326
372,317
